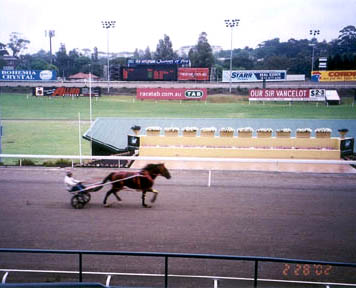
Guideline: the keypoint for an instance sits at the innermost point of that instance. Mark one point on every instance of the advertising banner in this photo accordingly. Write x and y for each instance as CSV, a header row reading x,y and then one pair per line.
x,y
66,91
28,75
333,76
171,93
142,62
254,75
149,73
280,95
195,74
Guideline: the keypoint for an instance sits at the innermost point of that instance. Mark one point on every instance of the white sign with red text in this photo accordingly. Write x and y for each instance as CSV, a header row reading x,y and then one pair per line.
x,y
287,95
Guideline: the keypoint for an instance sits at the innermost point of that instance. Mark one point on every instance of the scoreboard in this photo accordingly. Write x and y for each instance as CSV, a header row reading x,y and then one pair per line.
x,y
150,73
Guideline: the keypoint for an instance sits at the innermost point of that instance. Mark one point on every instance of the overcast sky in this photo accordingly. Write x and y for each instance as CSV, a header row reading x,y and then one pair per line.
x,y
142,23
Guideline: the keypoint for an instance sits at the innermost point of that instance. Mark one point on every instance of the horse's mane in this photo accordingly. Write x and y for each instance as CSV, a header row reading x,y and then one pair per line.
x,y
149,167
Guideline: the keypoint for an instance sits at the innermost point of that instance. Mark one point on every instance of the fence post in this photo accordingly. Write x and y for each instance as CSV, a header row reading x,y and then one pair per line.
x,y
209,178
256,274
108,279
166,271
80,268
3,281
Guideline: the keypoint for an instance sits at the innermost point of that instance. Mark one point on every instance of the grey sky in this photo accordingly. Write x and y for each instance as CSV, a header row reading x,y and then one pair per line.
x,y
141,23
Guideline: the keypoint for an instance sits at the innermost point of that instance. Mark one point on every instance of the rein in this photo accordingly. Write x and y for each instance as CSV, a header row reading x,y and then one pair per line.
x,y
97,184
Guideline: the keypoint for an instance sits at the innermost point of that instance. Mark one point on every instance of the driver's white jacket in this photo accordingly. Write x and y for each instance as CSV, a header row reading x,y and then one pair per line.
x,y
70,182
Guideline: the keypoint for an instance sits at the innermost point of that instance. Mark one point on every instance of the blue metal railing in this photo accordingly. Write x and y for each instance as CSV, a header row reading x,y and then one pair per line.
x,y
166,256
55,285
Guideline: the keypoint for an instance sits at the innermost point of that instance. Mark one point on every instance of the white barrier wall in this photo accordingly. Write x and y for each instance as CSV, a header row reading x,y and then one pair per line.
x,y
295,77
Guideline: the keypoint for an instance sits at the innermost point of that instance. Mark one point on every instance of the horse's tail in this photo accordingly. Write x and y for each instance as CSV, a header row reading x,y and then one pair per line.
x,y
101,185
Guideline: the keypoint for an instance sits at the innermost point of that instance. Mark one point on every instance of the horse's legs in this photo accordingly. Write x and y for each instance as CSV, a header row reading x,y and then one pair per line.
x,y
143,200
117,196
107,195
155,194
112,191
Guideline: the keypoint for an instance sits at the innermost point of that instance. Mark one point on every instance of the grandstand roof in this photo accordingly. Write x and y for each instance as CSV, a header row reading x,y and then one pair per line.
x,y
82,75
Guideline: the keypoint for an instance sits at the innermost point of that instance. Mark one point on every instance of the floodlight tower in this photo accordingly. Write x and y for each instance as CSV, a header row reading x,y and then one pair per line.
x,y
108,25
313,33
231,23
90,105
51,33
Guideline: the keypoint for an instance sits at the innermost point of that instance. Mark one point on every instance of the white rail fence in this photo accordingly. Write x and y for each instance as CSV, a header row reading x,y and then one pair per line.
x,y
184,159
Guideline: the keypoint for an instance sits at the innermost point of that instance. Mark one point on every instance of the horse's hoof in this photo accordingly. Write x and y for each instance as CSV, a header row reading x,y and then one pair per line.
x,y
107,205
147,206
154,198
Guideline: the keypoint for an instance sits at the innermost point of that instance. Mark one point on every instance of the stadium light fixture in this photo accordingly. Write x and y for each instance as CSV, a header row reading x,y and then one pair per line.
x,y
51,34
108,25
231,23
313,33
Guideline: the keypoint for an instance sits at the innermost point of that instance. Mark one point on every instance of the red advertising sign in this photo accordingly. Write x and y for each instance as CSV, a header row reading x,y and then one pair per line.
x,y
197,74
171,93
279,94
66,91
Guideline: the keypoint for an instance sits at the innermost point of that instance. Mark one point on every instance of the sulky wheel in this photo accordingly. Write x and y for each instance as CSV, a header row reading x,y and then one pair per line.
x,y
85,197
78,202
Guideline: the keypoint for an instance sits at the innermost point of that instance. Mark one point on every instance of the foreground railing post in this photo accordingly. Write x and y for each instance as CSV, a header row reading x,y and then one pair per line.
x,y
166,271
256,274
3,281
209,179
80,268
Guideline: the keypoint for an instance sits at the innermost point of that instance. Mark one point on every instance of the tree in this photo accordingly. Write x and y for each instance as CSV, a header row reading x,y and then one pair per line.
x,y
342,50
95,55
62,61
147,54
72,63
240,59
86,52
345,43
276,62
267,48
17,44
3,50
347,39
136,54
164,50
299,65
201,55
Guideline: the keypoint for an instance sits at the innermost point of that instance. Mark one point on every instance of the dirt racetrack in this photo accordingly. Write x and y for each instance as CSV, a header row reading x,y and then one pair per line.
x,y
247,213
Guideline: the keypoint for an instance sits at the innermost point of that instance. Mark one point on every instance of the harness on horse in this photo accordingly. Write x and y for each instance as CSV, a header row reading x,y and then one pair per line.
x,y
136,178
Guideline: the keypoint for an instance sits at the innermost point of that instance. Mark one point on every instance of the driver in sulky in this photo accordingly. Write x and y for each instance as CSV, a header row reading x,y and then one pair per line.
x,y
71,183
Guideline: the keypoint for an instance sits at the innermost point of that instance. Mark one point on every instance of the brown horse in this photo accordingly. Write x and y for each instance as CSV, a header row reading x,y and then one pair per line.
x,y
142,180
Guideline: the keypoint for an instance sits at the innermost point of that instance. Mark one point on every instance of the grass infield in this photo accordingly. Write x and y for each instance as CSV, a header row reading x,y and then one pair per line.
x,y
42,125
20,106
